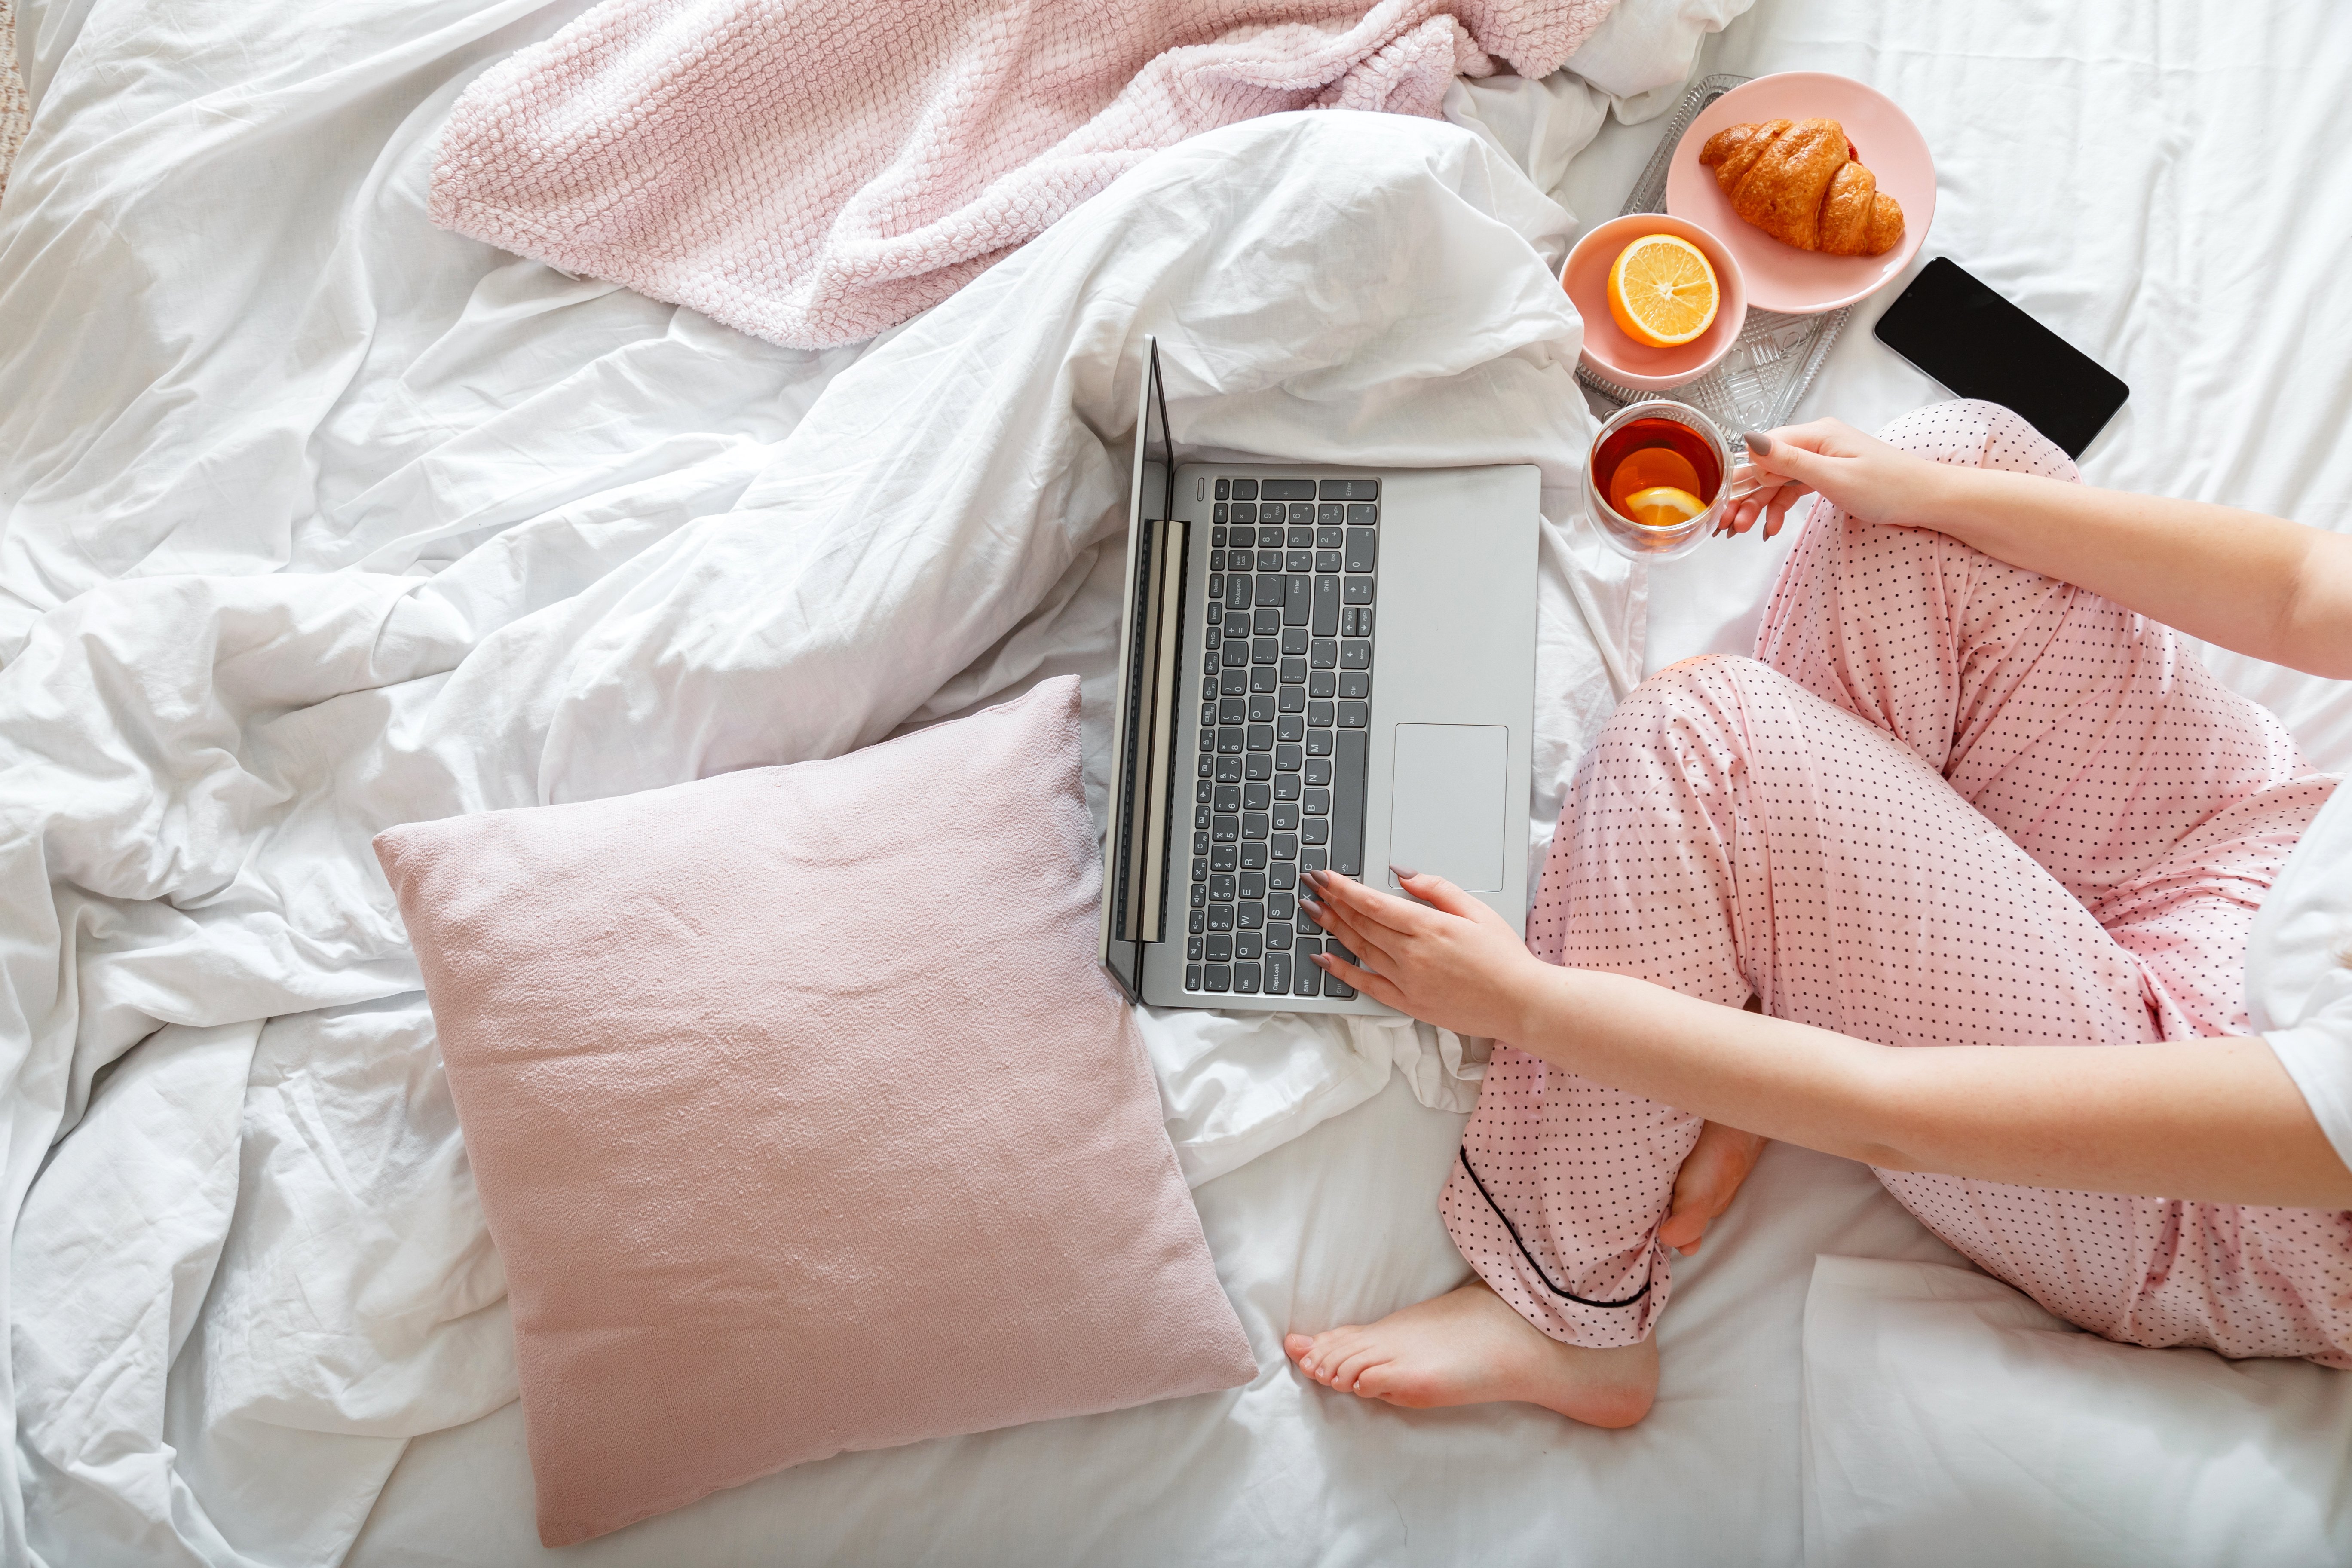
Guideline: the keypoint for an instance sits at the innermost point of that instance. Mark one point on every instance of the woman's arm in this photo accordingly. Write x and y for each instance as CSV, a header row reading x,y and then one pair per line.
x,y
2254,584
2218,1121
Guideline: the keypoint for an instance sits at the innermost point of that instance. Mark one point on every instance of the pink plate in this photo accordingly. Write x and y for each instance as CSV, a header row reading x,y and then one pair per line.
x,y
1780,276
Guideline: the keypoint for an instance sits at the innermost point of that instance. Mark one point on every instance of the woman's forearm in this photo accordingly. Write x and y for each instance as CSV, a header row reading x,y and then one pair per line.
x,y
2218,1121
2255,584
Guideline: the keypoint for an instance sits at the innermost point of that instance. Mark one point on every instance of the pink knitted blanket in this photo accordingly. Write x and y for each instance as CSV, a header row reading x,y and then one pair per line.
x,y
814,172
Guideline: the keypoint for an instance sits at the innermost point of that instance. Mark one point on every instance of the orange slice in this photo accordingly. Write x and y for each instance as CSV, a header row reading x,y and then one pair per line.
x,y
1663,506
1661,290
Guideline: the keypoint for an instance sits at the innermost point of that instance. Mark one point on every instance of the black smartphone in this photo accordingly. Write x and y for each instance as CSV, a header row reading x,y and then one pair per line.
x,y
1980,345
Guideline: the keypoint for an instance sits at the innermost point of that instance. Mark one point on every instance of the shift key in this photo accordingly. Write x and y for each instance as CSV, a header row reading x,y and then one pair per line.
x,y
1350,755
1326,606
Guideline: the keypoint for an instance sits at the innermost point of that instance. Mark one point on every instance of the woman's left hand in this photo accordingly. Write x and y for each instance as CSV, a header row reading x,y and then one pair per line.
x,y
1446,959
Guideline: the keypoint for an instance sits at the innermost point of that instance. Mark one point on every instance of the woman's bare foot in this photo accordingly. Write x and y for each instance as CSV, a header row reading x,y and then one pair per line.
x,y
1710,1178
1468,1347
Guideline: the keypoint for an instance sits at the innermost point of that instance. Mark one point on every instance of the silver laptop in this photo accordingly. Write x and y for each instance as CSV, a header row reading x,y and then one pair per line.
x,y
1323,667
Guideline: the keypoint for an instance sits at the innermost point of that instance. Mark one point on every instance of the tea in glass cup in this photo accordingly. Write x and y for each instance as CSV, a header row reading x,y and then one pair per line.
x,y
1656,482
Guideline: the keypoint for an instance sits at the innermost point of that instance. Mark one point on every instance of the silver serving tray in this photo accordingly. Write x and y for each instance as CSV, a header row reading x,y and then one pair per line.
x,y
1758,384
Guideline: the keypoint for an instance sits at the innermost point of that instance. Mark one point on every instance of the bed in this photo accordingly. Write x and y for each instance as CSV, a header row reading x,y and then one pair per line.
x,y
255,1317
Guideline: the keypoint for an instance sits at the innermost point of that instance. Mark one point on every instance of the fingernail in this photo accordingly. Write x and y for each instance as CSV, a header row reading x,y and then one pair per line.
x,y
1758,442
1313,878
1399,873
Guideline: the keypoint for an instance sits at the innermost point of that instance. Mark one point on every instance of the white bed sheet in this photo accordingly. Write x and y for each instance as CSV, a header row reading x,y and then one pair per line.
x,y
2128,137
2126,176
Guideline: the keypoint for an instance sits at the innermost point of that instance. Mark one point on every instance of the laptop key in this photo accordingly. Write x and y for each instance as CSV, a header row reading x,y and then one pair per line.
x,y
1191,977
1330,514
1293,680
1302,515
1258,765
1244,979
1318,744
1318,772
1253,885
1221,857
1286,784
1361,549
1249,945
1229,741
1269,559
1286,817
1298,561
1317,803
1277,939
1356,683
1229,769
1357,590
1355,653
1352,489
1221,888
1319,711
1287,758
1285,847
1265,677
1363,515
1323,652
1246,489
1314,861
1226,830
1257,710
1326,606
1277,974
1253,824
1269,585
1253,855
1308,980
1316,830
1221,917
1217,977
1354,715
1261,738
1298,594
1285,489
1290,727
1282,907
1283,879
1249,916
1351,763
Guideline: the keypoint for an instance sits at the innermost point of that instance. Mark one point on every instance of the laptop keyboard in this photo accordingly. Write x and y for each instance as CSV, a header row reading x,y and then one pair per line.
x,y
1284,744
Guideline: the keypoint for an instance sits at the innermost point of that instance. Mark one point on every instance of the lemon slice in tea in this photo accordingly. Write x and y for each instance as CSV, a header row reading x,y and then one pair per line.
x,y
1661,506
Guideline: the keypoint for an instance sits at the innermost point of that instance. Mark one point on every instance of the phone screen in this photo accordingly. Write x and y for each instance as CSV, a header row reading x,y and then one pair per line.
x,y
1980,345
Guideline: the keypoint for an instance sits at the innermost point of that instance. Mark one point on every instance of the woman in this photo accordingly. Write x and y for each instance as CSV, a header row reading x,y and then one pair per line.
x,y
1973,792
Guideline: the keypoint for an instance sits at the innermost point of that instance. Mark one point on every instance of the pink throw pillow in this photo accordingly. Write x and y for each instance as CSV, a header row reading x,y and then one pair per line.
x,y
804,1116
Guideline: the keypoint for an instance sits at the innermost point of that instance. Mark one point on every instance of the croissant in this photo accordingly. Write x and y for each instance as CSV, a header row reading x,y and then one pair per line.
x,y
1797,181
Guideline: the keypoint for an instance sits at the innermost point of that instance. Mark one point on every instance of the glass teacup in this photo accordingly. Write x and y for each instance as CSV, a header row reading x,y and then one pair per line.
x,y
1658,480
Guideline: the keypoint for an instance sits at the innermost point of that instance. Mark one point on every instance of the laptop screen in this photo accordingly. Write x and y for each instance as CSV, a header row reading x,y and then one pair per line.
x,y
1135,848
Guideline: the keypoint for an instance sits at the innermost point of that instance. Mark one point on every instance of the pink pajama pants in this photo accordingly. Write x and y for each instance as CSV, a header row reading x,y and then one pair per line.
x,y
1950,803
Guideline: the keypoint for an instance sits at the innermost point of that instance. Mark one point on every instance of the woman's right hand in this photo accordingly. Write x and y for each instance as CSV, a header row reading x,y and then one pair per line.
x,y
1872,481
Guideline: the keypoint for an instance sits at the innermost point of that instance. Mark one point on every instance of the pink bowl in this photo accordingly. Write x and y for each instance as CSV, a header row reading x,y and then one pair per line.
x,y
1607,349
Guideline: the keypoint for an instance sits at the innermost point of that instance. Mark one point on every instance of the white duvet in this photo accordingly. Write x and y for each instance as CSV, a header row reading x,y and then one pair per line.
x,y
318,519
313,518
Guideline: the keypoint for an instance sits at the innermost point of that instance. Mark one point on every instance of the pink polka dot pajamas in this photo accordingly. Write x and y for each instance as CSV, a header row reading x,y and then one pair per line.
x,y
1949,803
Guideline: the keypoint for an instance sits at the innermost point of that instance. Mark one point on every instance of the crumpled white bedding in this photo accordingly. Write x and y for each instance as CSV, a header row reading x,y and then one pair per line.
x,y
253,1266
323,519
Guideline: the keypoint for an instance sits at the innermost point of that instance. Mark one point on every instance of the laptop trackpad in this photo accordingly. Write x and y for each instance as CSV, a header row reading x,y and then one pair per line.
x,y
1446,808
